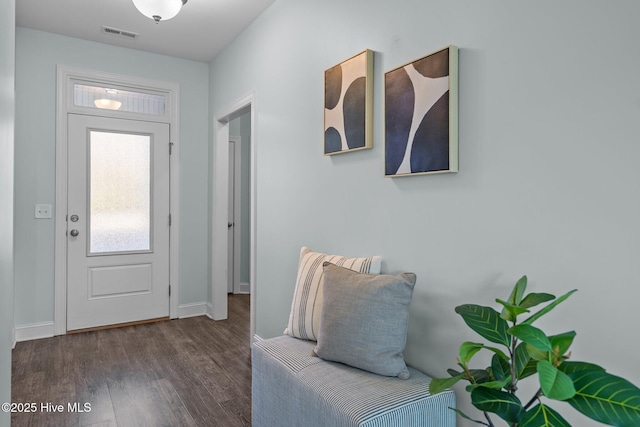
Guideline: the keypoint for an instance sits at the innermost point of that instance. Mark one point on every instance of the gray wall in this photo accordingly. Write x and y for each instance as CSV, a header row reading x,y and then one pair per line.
x,y
37,54
548,182
7,99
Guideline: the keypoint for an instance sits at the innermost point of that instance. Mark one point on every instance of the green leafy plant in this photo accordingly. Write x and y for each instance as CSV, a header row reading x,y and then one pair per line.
x,y
524,350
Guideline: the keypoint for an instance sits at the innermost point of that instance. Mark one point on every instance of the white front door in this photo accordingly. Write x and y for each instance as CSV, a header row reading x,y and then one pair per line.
x,y
117,222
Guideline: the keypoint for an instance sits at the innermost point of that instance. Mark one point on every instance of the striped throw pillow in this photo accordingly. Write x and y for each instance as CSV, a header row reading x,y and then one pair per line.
x,y
307,299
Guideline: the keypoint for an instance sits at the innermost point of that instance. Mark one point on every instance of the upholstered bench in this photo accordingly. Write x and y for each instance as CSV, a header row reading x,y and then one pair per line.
x,y
293,387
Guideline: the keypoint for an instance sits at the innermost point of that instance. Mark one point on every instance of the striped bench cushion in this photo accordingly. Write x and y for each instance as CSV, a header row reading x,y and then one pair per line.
x,y
292,387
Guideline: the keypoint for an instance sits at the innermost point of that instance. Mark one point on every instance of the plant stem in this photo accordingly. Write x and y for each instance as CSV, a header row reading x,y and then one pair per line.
x,y
488,419
533,399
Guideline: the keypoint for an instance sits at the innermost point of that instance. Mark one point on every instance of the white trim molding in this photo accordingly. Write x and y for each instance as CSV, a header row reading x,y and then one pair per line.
x,y
220,191
244,288
66,76
34,331
192,310
209,312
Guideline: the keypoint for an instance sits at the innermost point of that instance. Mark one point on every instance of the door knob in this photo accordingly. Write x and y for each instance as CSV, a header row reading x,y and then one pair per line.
x,y
74,232
229,224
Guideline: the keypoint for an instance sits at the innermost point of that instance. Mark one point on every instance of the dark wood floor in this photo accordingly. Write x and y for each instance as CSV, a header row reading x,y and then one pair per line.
x,y
187,372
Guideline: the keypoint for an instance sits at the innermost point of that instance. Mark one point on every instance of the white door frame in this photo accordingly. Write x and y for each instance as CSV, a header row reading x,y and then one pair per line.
x,y
64,105
220,193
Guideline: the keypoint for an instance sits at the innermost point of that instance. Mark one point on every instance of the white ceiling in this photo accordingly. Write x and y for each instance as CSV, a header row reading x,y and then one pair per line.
x,y
202,29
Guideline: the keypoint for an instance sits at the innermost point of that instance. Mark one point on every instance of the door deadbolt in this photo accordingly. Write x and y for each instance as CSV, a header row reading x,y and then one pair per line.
x,y
74,218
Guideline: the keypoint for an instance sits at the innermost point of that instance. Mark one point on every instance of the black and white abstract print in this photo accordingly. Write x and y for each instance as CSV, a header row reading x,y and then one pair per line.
x,y
417,116
345,112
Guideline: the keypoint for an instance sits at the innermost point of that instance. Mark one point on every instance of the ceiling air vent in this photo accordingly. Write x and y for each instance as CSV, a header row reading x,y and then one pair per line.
x,y
121,33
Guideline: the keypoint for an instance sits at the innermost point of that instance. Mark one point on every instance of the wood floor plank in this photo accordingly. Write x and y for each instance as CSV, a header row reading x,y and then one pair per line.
x,y
188,372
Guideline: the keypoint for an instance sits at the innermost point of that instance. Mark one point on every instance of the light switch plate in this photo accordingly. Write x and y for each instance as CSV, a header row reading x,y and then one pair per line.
x,y
43,211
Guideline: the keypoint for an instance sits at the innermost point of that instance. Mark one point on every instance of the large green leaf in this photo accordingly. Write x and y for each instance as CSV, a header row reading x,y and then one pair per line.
x,y
543,416
555,384
453,372
530,368
468,350
532,336
486,322
438,385
525,365
548,308
606,398
477,375
498,352
536,354
501,368
480,375
507,406
571,367
534,299
497,385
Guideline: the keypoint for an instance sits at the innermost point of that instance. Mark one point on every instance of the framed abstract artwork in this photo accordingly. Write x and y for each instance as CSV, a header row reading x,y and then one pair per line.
x,y
348,105
421,115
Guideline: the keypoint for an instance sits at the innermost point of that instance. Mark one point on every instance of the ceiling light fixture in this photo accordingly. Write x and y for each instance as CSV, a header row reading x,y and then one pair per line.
x,y
159,10
107,104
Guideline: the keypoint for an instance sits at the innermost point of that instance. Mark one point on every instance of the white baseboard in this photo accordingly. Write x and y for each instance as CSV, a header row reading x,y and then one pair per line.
x,y
34,331
244,288
193,310
13,338
47,330
257,338
209,312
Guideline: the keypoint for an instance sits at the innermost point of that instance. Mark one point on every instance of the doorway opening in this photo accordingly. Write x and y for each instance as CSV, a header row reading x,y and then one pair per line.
x,y
239,204
234,225
244,111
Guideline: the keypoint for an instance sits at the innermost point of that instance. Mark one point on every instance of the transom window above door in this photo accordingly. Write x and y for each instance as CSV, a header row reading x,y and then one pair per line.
x,y
118,99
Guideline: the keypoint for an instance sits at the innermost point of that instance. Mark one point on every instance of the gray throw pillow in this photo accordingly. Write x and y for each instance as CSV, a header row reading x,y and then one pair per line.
x,y
363,322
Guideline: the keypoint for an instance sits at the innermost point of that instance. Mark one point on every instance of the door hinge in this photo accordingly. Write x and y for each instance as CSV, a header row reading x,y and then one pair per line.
x,y
170,148
169,290
169,220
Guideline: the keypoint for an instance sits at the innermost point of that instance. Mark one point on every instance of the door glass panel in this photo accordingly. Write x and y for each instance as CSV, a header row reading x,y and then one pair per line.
x,y
120,192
